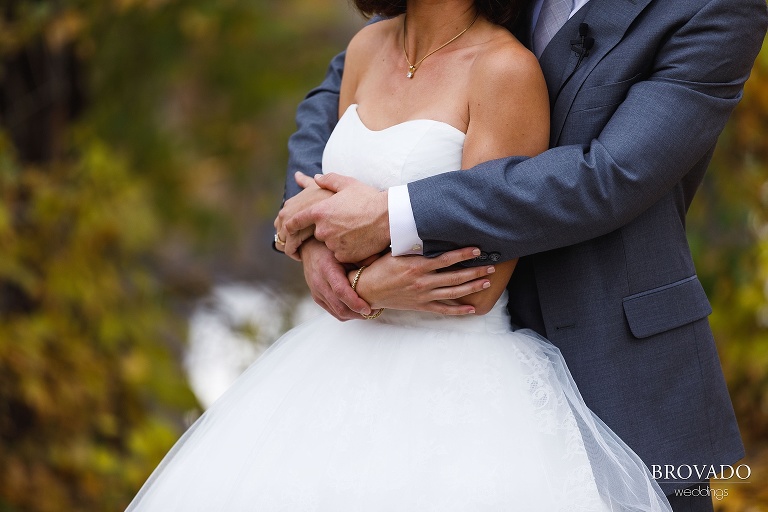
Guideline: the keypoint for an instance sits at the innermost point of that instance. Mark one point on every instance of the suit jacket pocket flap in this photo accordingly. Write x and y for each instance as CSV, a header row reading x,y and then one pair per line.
x,y
666,307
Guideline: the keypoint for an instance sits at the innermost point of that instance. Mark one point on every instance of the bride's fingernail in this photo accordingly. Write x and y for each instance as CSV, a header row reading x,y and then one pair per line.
x,y
476,252
471,312
486,284
491,270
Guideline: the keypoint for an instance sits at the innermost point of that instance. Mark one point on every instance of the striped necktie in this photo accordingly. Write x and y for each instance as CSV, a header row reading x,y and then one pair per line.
x,y
553,15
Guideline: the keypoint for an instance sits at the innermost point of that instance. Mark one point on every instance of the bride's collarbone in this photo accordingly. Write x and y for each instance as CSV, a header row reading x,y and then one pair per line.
x,y
386,104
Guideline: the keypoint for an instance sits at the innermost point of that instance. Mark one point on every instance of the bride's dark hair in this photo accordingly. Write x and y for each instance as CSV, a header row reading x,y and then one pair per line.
x,y
501,12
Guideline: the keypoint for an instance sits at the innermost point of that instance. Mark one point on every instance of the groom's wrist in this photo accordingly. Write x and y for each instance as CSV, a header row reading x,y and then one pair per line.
x,y
402,225
382,224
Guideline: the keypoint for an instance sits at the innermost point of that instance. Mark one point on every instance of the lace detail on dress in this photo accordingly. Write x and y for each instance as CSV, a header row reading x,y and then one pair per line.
x,y
554,417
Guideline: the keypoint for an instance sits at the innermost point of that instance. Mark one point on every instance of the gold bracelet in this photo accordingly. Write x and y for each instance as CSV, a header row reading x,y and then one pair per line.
x,y
378,312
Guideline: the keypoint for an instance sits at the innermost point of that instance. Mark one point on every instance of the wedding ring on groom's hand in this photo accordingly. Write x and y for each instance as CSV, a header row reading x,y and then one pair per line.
x,y
278,241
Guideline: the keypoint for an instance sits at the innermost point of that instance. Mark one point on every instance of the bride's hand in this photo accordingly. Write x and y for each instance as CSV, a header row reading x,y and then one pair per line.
x,y
310,196
416,283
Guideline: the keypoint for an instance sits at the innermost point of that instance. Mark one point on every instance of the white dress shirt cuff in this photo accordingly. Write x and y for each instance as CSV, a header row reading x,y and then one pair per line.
x,y
402,226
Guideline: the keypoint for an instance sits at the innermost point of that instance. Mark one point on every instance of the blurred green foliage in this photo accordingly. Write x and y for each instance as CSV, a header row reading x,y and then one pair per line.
x,y
138,137
81,369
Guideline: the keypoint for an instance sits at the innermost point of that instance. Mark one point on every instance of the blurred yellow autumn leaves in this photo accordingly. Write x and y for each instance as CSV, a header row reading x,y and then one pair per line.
x,y
142,152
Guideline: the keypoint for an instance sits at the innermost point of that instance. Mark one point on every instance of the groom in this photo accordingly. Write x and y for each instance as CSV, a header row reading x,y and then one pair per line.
x,y
639,91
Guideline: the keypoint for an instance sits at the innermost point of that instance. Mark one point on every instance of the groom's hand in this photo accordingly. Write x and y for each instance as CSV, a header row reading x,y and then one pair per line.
x,y
353,223
328,283
309,196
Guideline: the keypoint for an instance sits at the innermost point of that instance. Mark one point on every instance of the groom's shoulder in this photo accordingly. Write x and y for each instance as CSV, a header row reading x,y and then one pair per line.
x,y
718,14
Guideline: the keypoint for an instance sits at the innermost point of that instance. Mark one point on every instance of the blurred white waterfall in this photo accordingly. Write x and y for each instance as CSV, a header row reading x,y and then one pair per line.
x,y
231,328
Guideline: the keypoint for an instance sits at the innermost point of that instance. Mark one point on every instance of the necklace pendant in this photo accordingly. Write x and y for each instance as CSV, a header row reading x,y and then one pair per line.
x,y
411,71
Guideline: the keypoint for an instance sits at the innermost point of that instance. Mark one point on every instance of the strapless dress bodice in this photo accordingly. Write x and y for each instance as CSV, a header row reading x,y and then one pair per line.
x,y
402,153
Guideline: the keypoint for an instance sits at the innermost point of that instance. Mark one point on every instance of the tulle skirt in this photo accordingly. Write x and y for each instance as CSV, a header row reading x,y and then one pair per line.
x,y
409,412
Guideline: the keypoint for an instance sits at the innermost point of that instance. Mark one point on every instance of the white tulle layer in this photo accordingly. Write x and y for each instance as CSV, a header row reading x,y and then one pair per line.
x,y
409,412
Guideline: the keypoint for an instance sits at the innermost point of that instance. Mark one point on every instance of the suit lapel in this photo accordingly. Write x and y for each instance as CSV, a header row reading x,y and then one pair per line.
x,y
557,60
608,21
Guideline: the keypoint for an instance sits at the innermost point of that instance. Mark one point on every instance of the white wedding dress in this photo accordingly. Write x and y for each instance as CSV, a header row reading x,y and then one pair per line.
x,y
408,412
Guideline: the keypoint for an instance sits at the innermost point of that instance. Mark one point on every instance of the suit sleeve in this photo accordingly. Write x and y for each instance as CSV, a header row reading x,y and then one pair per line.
x,y
316,117
667,124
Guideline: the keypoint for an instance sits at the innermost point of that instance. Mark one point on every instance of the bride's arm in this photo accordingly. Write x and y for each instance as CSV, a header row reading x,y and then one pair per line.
x,y
508,115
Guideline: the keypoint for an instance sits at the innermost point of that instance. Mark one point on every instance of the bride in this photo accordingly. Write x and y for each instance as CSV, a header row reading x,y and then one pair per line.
x,y
407,411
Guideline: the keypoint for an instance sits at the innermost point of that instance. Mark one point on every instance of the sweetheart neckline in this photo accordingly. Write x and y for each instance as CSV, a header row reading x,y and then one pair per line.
x,y
397,125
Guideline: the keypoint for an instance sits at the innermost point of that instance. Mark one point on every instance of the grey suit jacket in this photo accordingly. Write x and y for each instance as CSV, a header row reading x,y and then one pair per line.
x,y
599,220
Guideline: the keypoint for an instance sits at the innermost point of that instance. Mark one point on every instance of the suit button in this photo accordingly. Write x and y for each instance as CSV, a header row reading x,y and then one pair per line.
x,y
494,256
483,256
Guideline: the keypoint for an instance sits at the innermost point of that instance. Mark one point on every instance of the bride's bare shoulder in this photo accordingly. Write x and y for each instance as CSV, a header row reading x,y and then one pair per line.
x,y
372,38
367,48
505,71
504,59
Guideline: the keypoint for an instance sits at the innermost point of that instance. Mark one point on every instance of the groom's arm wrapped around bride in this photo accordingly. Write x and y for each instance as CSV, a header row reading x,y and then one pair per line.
x,y
598,221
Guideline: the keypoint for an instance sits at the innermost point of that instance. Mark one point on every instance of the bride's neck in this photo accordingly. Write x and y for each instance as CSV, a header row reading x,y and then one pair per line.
x,y
431,23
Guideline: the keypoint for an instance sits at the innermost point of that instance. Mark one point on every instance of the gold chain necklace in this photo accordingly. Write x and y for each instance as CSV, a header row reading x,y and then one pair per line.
x,y
413,67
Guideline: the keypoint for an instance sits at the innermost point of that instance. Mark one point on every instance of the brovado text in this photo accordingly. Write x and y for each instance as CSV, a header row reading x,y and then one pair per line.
x,y
700,473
